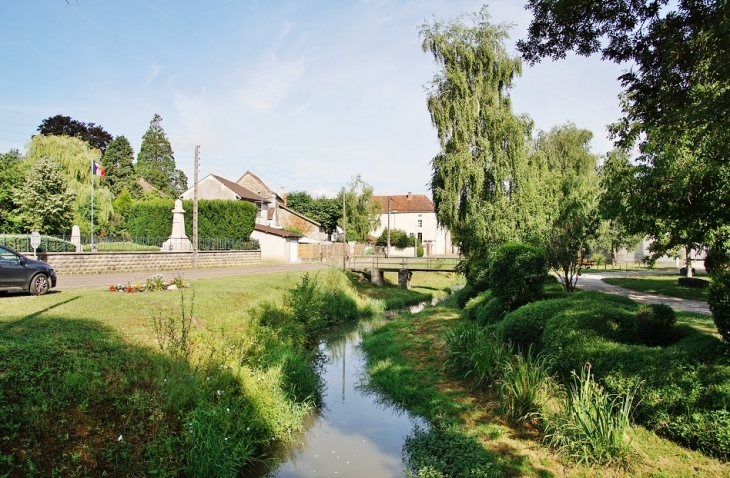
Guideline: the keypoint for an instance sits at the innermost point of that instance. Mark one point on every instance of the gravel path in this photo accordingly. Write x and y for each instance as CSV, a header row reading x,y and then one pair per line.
x,y
593,281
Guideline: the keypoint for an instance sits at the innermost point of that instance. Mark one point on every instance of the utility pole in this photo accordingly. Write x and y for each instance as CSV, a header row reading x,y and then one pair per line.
x,y
387,251
344,231
195,209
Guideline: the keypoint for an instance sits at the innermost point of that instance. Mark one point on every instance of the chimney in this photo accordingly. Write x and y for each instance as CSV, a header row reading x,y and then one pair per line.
x,y
410,195
282,194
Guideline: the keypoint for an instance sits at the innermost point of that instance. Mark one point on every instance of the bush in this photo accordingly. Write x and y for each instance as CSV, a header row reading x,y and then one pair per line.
x,y
517,273
719,302
464,295
716,260
21,243
484,309
441,453
476,271
693,282
524,326
398,239
653,324
599,258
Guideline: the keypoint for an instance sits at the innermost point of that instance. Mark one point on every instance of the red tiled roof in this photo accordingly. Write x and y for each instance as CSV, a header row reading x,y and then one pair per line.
x,y
239,190
405,203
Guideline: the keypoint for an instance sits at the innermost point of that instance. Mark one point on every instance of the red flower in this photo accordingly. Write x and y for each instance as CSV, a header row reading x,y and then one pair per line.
x,y
112,289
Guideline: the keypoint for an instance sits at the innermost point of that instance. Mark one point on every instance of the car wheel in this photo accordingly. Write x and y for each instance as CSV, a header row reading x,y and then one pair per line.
x,y
39,284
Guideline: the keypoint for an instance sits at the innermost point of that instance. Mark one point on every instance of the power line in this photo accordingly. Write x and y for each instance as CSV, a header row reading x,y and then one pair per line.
x,y
16,132
20,124
19,113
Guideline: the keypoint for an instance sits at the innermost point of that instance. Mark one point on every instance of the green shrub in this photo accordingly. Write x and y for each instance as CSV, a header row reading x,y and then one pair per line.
x,y
525,386
592,427
21,243
707,431
599,258
717,259
653,324
476,271
484,309
420,251
439,453
524,326
517,273
463,295
719,302
399,239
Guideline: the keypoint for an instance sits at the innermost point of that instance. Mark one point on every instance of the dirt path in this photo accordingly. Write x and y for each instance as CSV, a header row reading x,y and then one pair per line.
x,y
593,281
106,280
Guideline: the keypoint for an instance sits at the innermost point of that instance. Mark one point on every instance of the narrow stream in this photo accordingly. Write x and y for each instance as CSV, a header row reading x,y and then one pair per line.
x,y
354,435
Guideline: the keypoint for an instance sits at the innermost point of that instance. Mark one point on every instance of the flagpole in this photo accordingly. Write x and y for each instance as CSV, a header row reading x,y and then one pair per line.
x,y
92,205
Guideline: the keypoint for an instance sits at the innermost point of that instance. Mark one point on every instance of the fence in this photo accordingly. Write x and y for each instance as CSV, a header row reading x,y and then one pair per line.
x,y
21,243
325,252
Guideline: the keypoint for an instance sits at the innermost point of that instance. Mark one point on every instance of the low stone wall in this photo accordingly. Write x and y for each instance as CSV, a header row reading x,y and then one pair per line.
x,y
73,263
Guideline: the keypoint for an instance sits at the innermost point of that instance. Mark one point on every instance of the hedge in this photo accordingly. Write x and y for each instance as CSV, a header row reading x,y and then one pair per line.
x,y
21,243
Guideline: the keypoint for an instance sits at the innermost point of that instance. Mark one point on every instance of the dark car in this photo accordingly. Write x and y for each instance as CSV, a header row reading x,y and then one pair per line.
x,y
19,272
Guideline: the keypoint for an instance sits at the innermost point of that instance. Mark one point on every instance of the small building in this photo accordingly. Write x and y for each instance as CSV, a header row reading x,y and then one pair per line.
x,y
277,244
415,214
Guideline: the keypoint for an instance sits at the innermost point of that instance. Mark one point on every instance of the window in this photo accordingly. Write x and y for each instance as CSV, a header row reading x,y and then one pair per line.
x,y
420,223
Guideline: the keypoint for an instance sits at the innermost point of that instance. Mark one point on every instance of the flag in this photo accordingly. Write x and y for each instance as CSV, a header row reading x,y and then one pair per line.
x,y
97,170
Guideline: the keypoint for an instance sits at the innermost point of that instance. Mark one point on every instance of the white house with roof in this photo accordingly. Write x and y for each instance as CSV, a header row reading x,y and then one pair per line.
x,y
415,214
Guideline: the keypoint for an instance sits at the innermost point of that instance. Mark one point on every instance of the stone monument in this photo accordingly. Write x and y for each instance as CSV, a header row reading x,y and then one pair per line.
x,y
76,237
178,241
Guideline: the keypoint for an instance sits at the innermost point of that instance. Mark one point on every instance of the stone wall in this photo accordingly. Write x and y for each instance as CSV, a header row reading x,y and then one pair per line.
x,y
73,263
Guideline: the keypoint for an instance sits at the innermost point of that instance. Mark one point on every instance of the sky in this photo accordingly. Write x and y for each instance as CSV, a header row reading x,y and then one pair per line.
x,y
305,94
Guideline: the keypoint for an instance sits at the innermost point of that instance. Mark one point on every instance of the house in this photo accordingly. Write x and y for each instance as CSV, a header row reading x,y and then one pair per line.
x,y
216,187
415,214
278,215
276,244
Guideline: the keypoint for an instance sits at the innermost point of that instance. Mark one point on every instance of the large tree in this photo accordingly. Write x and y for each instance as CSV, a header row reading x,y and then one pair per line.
x,y
362,213
156,161
12,172
118,163
45,202
74,157
481,168
60,125
326,211
677,93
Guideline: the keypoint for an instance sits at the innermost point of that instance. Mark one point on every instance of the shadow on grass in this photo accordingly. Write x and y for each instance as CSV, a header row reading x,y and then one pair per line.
x,y
77,400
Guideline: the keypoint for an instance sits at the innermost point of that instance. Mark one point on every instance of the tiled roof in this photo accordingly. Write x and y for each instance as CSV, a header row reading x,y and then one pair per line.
x,y
275,231
238,189
405,203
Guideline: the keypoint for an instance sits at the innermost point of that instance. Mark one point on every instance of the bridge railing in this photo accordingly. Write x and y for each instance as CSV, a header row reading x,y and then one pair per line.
x,y
445,264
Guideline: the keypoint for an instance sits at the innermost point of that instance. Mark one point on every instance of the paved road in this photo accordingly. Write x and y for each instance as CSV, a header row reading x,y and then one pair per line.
x,y
593,281
105,280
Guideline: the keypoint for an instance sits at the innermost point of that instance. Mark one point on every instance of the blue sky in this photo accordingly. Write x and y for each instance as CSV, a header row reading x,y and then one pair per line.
x,y
305,94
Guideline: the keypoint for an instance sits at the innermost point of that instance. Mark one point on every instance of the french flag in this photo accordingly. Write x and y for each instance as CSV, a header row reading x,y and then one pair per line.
x,y
97,170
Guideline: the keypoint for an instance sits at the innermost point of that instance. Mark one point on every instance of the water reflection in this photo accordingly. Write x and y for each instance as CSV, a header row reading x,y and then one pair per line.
x,y
355,434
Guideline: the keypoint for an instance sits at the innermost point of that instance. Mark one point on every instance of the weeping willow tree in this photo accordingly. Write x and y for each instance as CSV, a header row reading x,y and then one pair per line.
x,y
74,158
481,171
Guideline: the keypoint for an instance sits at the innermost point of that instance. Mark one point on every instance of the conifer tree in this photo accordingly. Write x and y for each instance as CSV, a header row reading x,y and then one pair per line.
x,y
156,162
118,163
45,202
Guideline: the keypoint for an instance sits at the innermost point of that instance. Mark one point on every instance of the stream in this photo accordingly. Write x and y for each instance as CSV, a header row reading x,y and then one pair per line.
x,y
354,434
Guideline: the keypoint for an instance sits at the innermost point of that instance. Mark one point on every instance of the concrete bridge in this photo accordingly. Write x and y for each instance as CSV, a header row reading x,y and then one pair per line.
x,y
404,266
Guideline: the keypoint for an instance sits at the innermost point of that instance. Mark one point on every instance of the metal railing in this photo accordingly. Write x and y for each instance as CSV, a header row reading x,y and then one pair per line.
x,y
445,264
21,243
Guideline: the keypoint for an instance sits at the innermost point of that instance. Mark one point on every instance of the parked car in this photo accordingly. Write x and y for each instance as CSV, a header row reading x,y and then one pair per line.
x,y
20,272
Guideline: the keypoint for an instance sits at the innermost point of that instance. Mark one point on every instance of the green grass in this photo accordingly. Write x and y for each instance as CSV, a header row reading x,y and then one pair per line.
x,y
86,390
661,285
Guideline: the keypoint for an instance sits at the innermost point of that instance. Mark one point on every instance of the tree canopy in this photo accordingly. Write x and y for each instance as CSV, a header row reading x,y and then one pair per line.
x,y
118,163
326,211
60,125
363,214
12,173
156,161
479,174
45,203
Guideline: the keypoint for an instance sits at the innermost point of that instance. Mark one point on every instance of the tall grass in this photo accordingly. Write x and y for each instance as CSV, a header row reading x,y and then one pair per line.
x,y
525,387
593,427
477,354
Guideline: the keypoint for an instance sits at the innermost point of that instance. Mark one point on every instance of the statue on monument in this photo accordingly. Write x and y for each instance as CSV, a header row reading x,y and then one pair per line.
x,y
178,240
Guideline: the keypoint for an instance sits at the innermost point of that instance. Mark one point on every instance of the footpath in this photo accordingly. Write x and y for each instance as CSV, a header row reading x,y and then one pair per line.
x,y
593,281
106,280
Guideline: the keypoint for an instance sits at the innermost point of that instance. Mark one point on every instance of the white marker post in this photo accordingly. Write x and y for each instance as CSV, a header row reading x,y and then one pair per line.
x,y
35,241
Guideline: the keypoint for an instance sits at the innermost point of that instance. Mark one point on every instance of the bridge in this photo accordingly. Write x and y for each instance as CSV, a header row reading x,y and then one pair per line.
x,y
404,266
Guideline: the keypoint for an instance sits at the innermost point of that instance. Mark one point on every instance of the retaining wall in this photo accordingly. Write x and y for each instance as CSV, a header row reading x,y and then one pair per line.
x,y
73,263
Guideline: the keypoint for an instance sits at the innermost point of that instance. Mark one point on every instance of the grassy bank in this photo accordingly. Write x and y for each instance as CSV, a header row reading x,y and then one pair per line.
x,y
661,285
471,431
94,382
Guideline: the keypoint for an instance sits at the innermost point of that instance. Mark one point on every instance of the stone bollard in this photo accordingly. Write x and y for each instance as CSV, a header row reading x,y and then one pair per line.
x,y
376,277
404,278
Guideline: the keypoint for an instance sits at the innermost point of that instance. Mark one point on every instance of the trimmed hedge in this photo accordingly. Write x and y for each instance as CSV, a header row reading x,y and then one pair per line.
x,y
517,273
484,309
21,243
216,219
653,324
719,302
